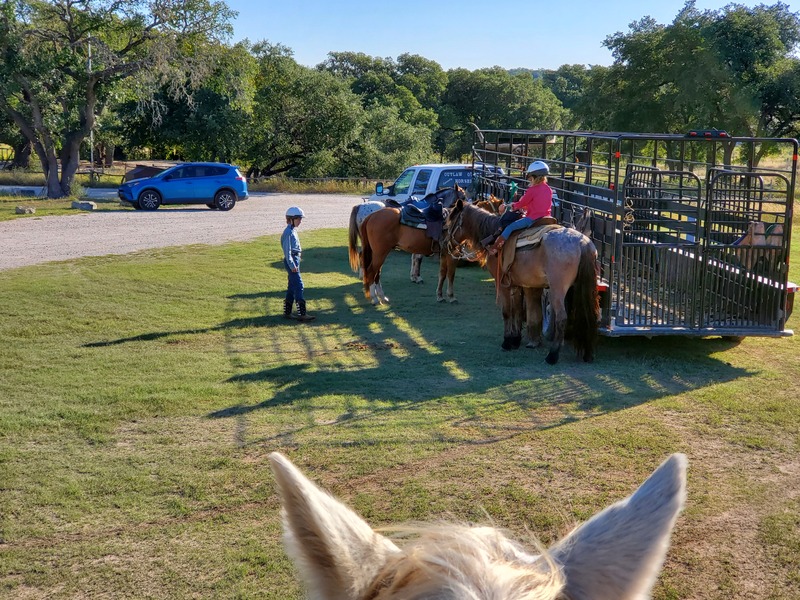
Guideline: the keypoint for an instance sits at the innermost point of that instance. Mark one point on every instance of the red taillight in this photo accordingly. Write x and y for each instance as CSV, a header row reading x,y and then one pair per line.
x,y
241,178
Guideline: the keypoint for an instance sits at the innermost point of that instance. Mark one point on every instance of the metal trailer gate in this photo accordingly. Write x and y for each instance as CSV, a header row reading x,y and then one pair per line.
x,y
692,231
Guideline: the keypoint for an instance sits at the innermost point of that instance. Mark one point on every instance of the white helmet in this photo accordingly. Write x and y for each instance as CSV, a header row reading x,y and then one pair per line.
x,y
537,168
295,211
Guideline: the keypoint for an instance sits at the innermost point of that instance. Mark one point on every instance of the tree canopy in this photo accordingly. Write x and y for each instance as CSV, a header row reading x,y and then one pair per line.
x,y
163,77
62,60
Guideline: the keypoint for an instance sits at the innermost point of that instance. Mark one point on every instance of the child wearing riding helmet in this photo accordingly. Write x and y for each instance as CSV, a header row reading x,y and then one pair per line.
x,y
535,203
290,242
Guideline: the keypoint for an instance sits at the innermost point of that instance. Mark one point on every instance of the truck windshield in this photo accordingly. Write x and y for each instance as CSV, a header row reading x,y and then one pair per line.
x,y
403,182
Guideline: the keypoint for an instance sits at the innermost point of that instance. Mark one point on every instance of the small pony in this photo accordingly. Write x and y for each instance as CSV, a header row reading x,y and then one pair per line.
x,y
615,555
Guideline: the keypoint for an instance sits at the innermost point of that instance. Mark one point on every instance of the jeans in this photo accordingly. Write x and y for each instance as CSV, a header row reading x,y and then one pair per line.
x,y
516,226
295,290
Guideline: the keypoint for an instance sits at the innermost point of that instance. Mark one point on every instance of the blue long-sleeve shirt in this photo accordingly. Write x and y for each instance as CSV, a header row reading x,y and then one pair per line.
x,y
290,242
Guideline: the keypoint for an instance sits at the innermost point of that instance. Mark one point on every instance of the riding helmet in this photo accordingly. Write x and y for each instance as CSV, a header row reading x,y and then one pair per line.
x,y
537,168
295,211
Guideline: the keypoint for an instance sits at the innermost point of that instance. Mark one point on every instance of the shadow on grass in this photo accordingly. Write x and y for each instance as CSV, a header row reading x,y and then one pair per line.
x,y
416,354
422,353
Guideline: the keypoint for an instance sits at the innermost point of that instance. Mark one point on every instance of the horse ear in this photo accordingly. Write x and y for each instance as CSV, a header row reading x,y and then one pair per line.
x,y
337,553
618,553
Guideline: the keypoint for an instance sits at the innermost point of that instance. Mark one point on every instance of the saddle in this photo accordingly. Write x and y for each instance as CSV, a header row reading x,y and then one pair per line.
x,y
530,236
426,213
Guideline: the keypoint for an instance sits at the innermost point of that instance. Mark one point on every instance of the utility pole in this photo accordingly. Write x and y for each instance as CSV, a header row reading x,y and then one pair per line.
x,y
91,131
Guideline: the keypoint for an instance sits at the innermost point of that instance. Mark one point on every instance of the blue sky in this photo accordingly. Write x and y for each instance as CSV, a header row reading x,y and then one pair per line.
x,y
464,33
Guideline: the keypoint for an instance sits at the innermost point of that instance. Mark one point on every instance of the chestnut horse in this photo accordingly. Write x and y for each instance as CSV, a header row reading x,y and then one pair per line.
x,y
564,259
380,231
615,555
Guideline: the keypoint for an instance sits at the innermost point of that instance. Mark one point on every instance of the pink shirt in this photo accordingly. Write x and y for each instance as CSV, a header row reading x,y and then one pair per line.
x,y
536,202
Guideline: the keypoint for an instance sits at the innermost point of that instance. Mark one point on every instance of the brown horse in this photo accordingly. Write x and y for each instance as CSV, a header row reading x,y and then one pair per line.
x,y
380,232
564,259
615,555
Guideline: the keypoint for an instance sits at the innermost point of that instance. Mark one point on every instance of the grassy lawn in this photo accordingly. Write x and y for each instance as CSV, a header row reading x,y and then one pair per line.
x,y
48,208
141,394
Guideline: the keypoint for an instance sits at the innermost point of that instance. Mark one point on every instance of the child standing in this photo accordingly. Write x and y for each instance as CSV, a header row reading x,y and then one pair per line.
x,y
290,242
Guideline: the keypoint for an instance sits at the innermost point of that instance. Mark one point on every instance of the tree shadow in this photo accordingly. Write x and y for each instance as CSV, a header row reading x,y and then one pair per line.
x,y
416,359
417,353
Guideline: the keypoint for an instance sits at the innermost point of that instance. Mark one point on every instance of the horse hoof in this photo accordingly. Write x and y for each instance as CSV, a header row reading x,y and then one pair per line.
x,y
453,301
551,358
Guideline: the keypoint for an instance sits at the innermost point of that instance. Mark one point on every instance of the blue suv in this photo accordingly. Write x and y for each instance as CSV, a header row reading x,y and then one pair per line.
x,y
217,185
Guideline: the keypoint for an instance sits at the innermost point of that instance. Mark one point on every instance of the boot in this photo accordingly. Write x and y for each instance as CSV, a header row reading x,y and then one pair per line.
x,y
287,309
301,310
497,247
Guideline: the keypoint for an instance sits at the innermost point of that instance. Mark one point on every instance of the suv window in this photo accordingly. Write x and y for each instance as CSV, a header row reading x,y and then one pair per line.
x,y
463,177
403,182
421,184
184,172
215,171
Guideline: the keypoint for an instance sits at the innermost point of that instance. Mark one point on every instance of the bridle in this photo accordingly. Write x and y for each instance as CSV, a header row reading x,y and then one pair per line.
x,y
459,250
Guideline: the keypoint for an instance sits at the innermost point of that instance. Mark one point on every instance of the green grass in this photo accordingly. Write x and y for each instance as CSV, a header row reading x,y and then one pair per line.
x,y
141,394
47,208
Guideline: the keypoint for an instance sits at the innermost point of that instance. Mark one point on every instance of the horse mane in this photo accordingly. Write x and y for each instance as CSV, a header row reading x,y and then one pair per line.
x,y
468,562
478,224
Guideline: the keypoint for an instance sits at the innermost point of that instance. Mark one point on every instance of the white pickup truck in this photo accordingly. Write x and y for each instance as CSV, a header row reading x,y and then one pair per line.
x,y
421,180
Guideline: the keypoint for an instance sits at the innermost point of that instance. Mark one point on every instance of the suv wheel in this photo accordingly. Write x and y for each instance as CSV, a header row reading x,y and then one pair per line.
x,y
225,200
149,200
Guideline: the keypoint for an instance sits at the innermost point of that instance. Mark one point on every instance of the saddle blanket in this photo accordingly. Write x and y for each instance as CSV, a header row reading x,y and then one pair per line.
x,y
533,235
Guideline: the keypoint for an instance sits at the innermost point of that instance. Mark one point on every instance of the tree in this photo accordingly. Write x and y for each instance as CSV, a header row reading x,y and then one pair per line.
x,y
300,115
733,69
568,83
211,122
495,99
53,90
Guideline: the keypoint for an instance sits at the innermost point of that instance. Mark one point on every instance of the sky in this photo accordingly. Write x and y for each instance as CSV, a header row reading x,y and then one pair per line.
x,y
533,34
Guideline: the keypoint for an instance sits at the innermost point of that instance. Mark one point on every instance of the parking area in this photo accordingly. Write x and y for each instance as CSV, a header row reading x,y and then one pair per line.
x,y
35,240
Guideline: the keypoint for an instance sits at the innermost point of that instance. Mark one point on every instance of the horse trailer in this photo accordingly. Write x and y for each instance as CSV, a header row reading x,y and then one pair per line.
x,y
692,231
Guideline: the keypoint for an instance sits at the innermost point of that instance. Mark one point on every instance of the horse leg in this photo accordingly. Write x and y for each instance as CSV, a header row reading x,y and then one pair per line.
x,y
379,289
416,268
450,268
558,320
447,271
511,306
533,305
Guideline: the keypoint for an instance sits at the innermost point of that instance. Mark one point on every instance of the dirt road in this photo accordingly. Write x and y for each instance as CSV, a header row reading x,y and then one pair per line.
x,y
33,240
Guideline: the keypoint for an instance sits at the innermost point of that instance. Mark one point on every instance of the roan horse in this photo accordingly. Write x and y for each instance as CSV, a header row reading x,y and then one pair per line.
x,y
615,555
380,231
564,259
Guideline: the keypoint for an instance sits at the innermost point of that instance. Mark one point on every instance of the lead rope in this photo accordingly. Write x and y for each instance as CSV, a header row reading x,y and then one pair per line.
x,y
497,275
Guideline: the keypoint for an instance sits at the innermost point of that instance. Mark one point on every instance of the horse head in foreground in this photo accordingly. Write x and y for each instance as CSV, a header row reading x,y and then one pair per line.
x,y
615,555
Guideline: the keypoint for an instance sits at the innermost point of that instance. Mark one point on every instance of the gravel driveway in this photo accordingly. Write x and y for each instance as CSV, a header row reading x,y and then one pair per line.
x,y
32,240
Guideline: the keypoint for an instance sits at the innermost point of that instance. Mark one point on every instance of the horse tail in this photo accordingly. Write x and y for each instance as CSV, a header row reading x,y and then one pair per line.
x,y
586,304
355,256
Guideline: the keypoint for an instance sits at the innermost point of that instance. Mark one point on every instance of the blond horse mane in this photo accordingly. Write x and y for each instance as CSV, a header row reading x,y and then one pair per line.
x,y
616,555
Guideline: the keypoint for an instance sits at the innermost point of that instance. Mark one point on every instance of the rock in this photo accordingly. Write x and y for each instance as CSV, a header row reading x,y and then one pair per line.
x,y
26,210
84,205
